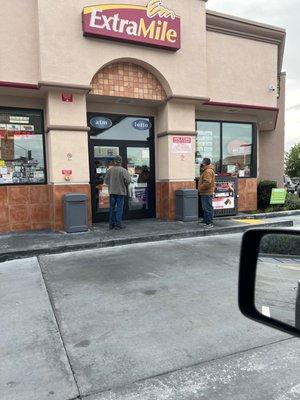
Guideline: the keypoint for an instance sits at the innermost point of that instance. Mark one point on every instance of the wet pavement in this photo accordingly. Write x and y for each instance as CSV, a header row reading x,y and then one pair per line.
x,y
19,245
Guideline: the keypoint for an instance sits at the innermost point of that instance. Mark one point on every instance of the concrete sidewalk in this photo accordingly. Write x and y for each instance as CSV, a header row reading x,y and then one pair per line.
x,y
20,245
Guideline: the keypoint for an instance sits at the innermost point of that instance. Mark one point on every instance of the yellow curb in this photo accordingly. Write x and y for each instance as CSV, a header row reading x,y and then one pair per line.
x,y
251,221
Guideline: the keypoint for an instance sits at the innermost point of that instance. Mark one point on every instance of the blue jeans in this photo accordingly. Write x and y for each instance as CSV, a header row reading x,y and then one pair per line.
x,y
116,205
207,206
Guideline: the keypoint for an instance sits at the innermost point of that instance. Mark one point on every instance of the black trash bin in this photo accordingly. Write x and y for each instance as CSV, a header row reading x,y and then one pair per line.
x,y
186,207
75,212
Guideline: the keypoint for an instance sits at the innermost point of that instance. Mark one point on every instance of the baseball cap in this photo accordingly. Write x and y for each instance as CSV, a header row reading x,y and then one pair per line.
x,y
118,160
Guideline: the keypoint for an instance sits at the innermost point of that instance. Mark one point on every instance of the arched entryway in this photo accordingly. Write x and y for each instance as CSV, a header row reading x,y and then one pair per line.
x,y
129,134
125,79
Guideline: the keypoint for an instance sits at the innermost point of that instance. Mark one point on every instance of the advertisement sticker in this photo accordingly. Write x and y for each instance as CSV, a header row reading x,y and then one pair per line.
x,y
224,198
182,144
278,196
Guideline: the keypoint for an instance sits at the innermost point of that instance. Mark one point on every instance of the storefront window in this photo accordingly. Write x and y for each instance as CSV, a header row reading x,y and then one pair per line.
x,y
208,143
237,149
228,145
21,147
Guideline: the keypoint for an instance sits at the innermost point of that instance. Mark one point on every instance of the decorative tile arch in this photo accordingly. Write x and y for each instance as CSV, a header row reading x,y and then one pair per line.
x,y
124,79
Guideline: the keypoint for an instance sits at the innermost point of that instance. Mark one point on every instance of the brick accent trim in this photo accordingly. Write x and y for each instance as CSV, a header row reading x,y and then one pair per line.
x,y
247,194
165,197
127,80
36,207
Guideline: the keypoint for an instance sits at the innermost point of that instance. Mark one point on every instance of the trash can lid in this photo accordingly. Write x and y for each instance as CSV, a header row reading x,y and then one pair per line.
x,y
184,192
69,197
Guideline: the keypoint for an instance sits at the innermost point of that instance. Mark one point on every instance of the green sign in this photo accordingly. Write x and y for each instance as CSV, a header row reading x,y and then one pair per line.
x,y
278,196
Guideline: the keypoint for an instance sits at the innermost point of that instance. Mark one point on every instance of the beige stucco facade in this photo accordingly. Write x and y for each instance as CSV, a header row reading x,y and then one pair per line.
x,y
244,57
227,69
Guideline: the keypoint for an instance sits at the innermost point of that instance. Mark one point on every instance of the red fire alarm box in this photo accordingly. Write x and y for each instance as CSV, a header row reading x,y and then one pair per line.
x,y
67,97
66,172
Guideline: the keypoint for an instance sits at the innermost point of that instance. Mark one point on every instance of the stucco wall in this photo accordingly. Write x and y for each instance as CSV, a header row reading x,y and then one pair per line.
x,y
240,70
100,107
175,119
163,159
271,145
182,166
19,41
223,116
59,144
66,113
21,102
81,57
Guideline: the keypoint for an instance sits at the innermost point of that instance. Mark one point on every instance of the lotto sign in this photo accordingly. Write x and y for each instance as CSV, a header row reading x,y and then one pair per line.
x,y
182,144
151,25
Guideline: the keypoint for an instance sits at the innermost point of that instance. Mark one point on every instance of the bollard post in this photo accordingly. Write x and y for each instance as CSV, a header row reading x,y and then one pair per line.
x,y
297,310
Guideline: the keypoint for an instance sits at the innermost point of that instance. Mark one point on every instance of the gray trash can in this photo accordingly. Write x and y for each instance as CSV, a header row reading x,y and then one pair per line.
x,y
75,212
186,206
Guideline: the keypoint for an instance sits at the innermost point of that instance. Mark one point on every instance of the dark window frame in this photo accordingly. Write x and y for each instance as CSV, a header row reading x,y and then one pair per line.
x,y
41,111
253,164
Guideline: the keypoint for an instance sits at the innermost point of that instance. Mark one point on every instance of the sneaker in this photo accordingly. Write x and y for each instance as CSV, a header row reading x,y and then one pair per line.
x,y
120,227
208,226
111,227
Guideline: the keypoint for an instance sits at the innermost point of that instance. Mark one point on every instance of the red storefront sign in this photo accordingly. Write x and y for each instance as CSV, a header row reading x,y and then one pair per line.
x,y
153,25
182,139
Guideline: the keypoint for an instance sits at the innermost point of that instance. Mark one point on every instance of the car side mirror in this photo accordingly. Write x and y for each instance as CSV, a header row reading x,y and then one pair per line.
x,y
269,278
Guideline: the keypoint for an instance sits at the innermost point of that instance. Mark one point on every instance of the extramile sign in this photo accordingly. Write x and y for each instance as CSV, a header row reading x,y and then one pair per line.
x,y
151,25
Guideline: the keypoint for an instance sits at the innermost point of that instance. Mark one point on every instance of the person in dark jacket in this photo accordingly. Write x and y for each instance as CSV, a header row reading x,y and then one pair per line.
x,y
206,189
117,178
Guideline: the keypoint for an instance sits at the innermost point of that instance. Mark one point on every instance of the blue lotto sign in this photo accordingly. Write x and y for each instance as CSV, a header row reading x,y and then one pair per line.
x,y
141,124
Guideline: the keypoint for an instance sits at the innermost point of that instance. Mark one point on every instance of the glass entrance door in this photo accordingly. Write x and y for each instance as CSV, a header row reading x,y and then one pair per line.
x,y
140,189
103,157
137,160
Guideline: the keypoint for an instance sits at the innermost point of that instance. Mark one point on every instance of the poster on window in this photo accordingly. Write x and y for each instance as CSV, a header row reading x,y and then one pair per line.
x,y
140,194
224,197
3,129
103,197
182,144
204,143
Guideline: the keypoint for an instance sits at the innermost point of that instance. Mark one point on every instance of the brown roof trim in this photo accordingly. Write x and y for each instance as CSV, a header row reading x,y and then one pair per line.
x,y
180,133
236,105
241,27
67,128
69,86
19,85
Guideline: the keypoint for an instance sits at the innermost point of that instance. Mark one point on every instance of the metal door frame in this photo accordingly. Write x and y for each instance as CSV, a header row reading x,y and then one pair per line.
x,y
122,145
